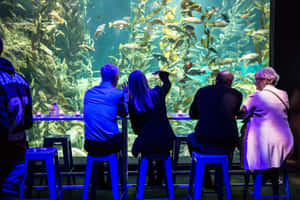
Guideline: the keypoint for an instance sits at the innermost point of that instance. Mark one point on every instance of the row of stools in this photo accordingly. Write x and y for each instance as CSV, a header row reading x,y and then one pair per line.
x,y
50,156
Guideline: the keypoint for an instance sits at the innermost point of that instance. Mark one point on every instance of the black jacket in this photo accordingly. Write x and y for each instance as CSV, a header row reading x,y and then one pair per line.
x,y
15,104
216,108
154,131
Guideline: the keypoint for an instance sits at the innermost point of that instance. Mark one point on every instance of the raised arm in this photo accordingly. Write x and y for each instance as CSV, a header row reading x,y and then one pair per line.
x,y
164,77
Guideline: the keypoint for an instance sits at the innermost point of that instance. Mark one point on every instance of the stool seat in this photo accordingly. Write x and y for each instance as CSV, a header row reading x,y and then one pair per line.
x,y
113,166
143,172
197,172
49,155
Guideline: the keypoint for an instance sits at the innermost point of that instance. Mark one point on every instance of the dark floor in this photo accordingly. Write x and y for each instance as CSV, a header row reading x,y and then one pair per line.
x,y
237,180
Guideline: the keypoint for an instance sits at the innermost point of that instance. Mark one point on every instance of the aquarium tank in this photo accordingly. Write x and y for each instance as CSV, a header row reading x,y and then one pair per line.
x,y
60,45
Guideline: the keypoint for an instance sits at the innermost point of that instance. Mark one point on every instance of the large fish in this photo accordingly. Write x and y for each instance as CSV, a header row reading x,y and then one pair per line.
x,y
219,24
99,31
119,24
130,46
193,20
249,57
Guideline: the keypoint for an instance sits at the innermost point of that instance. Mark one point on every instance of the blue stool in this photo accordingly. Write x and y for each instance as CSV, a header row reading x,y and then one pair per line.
x,y
49,155
258,184
143,172
113,166
198,164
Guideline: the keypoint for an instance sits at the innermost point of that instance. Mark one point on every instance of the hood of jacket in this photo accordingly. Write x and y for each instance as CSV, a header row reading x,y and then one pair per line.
x,y
6,66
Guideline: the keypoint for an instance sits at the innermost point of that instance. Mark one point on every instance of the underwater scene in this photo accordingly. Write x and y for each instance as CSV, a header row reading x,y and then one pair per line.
x,y
60,45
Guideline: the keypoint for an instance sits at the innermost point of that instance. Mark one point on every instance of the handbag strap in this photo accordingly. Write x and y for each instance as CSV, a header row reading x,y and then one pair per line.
x,y
285,105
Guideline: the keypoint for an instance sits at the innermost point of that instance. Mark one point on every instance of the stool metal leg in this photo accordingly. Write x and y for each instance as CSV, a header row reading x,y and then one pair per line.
x,y
88,171
286,183
59,182
51,178
257,186
142,178
113,166
226,179
168,171
199,173
191,179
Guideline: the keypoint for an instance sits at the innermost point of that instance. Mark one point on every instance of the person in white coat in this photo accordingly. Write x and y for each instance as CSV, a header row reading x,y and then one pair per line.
x,y
268,140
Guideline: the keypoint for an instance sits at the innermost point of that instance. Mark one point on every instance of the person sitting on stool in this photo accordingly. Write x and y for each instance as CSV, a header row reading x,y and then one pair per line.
x,y
215,107
102,104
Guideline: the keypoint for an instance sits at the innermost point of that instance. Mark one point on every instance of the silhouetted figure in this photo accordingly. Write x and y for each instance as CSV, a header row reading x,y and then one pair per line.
x,y
215,107
148,116
15,118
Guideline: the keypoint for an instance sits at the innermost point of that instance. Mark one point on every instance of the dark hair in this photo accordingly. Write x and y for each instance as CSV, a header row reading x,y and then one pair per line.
x,y
109,72
1,46
140,91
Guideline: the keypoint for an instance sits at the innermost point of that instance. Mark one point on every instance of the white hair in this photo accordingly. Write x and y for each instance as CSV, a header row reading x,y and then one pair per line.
x,y
269,74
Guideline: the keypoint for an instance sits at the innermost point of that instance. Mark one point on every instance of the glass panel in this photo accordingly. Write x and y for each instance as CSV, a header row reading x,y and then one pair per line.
x,y
60,45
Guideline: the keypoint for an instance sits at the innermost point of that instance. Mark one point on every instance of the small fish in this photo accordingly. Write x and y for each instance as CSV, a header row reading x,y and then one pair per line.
x,y
130,46
194,71
119,24
193,20
212,50
99,31
175,27
261,33
189,28
42,96
225,61
155,21
87,47
56,16
225,17
160,57
247,14
249,57
219,24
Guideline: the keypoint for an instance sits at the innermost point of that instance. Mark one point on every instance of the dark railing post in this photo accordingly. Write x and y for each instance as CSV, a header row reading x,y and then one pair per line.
x,y
124,157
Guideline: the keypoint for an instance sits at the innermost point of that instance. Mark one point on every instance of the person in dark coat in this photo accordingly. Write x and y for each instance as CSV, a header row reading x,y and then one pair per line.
x,y
215,107
15,118
148,116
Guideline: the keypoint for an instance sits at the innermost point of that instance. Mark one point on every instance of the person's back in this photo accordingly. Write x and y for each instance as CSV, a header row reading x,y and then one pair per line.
x,y
215,107
100,112
152,125
102,104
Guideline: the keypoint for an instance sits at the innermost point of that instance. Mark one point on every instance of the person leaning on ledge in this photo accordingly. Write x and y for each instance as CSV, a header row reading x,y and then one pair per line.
x,y
102,104
215,107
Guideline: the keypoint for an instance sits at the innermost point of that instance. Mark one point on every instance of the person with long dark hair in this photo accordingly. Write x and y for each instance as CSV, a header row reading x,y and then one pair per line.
x,y
148,116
